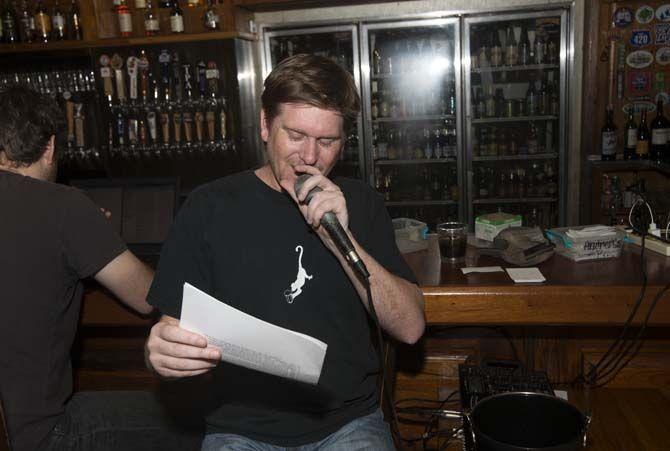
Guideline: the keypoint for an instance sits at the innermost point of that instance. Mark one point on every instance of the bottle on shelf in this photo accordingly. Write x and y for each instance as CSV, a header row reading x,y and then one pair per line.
x,y
660,128
496,50
73,25
151,22
26,23
10,33
544,99
57,23
608,135
630,138
193,3
642,145
140,4
532,140
211,17
125,19
524,49
42,22
531,98
511,49
176,18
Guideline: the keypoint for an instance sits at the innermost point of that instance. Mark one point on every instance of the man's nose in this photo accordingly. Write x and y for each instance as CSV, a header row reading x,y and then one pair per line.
x,y
310,151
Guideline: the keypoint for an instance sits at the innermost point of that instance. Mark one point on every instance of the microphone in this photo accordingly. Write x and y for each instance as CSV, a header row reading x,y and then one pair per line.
x,y
332,225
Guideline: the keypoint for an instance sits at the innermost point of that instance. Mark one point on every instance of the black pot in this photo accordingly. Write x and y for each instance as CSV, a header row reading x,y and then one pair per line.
x,y
520,421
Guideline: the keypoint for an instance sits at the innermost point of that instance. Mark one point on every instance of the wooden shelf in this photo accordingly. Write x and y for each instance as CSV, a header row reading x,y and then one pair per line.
x,y
631,165
123,42
280,5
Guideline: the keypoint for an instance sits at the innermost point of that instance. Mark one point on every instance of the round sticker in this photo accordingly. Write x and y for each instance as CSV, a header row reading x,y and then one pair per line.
x,y
663,13
663,56
662,96
644,14
639,107
639,59
622,17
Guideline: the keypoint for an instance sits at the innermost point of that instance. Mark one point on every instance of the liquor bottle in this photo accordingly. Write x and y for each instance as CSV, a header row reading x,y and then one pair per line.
x,y
140,4
151,23
544,101
176,18
531,99
540,50
57,23
642,145
125,19
74,22
552,52
630,137
9,30
193,3
511,49
496,51
211,16
659,134
524,49
608,137
43,22
532,140
26,24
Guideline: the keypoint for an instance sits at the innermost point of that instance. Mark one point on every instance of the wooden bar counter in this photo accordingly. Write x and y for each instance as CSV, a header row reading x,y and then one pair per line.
x,y
576,293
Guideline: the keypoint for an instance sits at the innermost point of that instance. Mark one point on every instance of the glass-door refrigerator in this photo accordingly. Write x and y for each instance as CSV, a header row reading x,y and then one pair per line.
x,y
338,42
410,75
515,108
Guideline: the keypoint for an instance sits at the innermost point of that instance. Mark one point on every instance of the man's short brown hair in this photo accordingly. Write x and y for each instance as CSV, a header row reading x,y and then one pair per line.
x,y
311,80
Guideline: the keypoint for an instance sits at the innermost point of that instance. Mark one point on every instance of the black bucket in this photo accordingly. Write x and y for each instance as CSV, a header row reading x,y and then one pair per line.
x,y
520,421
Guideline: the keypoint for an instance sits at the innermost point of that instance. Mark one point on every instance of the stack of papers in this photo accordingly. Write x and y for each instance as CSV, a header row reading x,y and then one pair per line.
x,y
250,342
591,232
525,275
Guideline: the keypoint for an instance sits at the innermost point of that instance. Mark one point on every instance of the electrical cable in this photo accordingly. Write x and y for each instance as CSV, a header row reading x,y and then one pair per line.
x,y
637,342
621,340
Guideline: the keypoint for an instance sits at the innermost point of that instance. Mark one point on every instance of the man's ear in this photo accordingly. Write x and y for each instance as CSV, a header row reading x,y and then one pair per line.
x,y
50,151
265,132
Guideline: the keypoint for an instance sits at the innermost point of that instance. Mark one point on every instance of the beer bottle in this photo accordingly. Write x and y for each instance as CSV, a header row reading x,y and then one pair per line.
x,y
642,146
630,137
659,134
608,137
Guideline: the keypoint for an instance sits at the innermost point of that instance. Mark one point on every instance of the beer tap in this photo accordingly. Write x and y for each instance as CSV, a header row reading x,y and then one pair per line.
x,y
164,60
201,75
177,78
106,75
117,65
143,66
79,129
212,75
188,113
69,115
132,68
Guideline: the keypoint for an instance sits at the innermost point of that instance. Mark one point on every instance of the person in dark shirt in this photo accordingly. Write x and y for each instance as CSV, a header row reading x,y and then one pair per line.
x,y
52,237
252,242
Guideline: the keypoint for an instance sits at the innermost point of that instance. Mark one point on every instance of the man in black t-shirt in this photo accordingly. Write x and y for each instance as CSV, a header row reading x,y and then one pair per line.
x,y
52,237
252,242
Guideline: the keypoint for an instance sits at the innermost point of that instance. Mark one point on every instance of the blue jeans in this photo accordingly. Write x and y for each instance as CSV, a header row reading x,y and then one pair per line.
x,y
366,433
120,420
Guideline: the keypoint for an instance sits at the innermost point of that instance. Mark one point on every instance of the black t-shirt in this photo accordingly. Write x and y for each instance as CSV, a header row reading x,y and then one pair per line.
x,y
51,236
249,246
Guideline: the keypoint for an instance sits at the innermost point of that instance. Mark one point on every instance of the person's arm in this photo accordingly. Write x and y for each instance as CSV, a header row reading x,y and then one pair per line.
x,y
173,352
129,279
398,302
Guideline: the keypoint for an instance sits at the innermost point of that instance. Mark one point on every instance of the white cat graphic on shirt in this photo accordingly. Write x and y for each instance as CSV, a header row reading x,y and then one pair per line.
x,y
301,278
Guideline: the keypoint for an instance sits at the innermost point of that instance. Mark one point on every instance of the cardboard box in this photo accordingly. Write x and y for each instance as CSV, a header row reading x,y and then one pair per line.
x,y
487,227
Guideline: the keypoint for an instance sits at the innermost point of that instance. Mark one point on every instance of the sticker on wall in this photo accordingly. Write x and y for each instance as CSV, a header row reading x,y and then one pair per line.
x,y
663,56
639,83
640,38
662,33
638,107
662,96
644,14
639,98
659,81
614,35
622,17
663,13
639,59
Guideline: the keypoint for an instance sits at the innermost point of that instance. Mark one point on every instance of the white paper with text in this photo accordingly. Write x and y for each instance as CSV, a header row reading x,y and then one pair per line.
x,y
250,342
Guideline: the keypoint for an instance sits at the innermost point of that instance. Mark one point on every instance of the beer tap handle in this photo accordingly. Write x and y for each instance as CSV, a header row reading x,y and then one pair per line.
x,y
117,65
106,75
131,67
